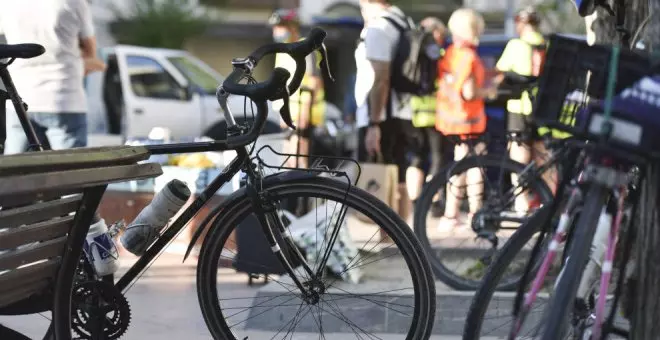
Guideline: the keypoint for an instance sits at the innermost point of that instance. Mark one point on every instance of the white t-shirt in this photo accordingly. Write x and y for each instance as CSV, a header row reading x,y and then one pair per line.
x,y
379,40
52,82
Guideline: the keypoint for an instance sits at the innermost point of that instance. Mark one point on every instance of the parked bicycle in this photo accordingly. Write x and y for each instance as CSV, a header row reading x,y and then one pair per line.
x,y
459,257
574,283
329,284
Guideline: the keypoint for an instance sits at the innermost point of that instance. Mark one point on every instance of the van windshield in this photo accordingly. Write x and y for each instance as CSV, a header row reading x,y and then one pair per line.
x,y
203,80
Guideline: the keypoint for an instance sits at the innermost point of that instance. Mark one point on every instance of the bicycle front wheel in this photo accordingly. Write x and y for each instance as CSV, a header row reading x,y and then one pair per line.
x,y
378,280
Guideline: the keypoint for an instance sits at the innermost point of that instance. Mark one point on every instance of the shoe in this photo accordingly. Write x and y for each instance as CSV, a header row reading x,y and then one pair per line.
x,y
448,224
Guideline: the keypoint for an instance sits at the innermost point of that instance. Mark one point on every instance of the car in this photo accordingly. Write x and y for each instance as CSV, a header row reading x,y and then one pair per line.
x,y
144,88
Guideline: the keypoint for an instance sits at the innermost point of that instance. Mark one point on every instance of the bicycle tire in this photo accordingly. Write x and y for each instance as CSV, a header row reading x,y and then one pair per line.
x,y
238,206
566,288
438,182
496,270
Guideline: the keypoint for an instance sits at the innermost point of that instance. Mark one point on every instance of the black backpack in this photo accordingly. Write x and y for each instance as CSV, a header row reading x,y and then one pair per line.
x,y
413,71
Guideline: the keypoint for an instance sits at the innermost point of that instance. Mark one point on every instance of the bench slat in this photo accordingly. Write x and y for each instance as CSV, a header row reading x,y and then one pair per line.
x,y
32,253
78,158
29,199
42,231
83,178
38,212
23,292
25,275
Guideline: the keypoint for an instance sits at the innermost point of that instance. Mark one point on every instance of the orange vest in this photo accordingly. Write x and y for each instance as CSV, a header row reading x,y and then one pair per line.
x,y
455,115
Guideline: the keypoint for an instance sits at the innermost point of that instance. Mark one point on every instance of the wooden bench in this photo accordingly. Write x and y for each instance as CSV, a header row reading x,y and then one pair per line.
x,y
47,203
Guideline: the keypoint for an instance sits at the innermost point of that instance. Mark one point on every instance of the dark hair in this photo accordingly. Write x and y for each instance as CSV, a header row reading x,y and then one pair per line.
x,y
528,15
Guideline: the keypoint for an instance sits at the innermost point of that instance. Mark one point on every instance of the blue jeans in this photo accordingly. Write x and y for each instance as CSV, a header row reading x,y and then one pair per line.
x,y
59,130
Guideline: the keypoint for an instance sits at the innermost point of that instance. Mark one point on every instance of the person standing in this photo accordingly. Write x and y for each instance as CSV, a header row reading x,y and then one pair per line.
x,y
461,109
383,117
430,142
51,84
307,105
524,56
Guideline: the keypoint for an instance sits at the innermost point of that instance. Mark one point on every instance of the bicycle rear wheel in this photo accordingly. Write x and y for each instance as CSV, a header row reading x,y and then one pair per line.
x,y
385,300
451,253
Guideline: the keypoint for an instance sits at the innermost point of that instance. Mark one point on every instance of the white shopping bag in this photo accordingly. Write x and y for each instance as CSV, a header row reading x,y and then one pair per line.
x,y
312,231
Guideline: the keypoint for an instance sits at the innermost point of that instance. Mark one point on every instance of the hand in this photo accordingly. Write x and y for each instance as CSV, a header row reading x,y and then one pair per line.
x,y
491,92
498,79
94,65
372,140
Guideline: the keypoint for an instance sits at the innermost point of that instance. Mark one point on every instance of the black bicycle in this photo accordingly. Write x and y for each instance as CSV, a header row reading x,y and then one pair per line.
x,y
329,284
460,255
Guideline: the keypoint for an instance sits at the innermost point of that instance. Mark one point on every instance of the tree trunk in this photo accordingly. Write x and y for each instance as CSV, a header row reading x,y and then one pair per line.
x,y
645,287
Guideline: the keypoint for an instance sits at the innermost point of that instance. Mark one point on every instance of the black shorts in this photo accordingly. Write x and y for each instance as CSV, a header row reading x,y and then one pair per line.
x,y
397,137
521,125
429,150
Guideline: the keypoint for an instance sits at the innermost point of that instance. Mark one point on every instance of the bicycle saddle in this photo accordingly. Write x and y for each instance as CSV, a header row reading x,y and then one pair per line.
x,y
23,51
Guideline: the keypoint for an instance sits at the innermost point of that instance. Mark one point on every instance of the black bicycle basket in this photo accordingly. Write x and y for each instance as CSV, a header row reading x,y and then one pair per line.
x,y
574,75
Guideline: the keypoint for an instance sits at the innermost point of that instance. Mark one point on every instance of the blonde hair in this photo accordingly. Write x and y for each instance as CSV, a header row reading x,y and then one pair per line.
x,y
466,24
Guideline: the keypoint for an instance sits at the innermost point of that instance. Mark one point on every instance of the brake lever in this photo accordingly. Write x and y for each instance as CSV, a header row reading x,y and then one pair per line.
x,y
325,65
285,111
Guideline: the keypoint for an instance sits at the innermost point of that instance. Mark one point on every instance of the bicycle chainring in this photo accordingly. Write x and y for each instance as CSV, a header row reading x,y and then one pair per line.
x,y
98,306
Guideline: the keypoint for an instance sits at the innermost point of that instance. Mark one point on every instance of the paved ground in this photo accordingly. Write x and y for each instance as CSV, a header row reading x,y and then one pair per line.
x,y
164,301
164,306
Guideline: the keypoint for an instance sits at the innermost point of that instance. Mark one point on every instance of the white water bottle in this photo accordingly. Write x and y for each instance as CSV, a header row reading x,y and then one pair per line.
x,y
598,247
146,227
101,249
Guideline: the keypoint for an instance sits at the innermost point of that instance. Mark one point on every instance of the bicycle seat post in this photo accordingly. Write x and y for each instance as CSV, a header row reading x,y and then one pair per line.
x,y
21,110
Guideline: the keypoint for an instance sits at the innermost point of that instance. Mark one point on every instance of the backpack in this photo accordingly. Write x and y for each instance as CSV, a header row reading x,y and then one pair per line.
x,y
413,71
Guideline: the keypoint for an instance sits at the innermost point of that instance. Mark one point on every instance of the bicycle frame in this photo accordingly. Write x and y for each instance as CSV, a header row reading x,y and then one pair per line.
x,y
241,162
560,236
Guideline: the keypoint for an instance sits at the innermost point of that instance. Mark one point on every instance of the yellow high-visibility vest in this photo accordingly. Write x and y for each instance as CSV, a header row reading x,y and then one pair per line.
x,y
317,118
423,111
517,58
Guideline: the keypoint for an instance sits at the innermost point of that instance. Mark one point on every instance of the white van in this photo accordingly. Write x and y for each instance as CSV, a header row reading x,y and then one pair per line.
x,y
144,88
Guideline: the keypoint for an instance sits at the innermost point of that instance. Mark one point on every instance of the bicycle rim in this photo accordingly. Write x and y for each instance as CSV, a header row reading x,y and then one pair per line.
x,y
358,314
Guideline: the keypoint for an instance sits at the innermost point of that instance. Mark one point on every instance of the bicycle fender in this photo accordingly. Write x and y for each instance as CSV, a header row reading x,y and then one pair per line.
x,y
271,180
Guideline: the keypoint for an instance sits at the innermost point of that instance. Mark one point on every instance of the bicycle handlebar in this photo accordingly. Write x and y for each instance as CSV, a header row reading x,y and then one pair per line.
x,y
275,87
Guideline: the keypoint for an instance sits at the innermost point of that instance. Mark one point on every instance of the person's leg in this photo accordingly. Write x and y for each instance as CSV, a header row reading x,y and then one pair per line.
x,y
455,191
475,183
393,149
361,152
404,141
519,151
64,130
541,155
415,172
437,148
17,141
